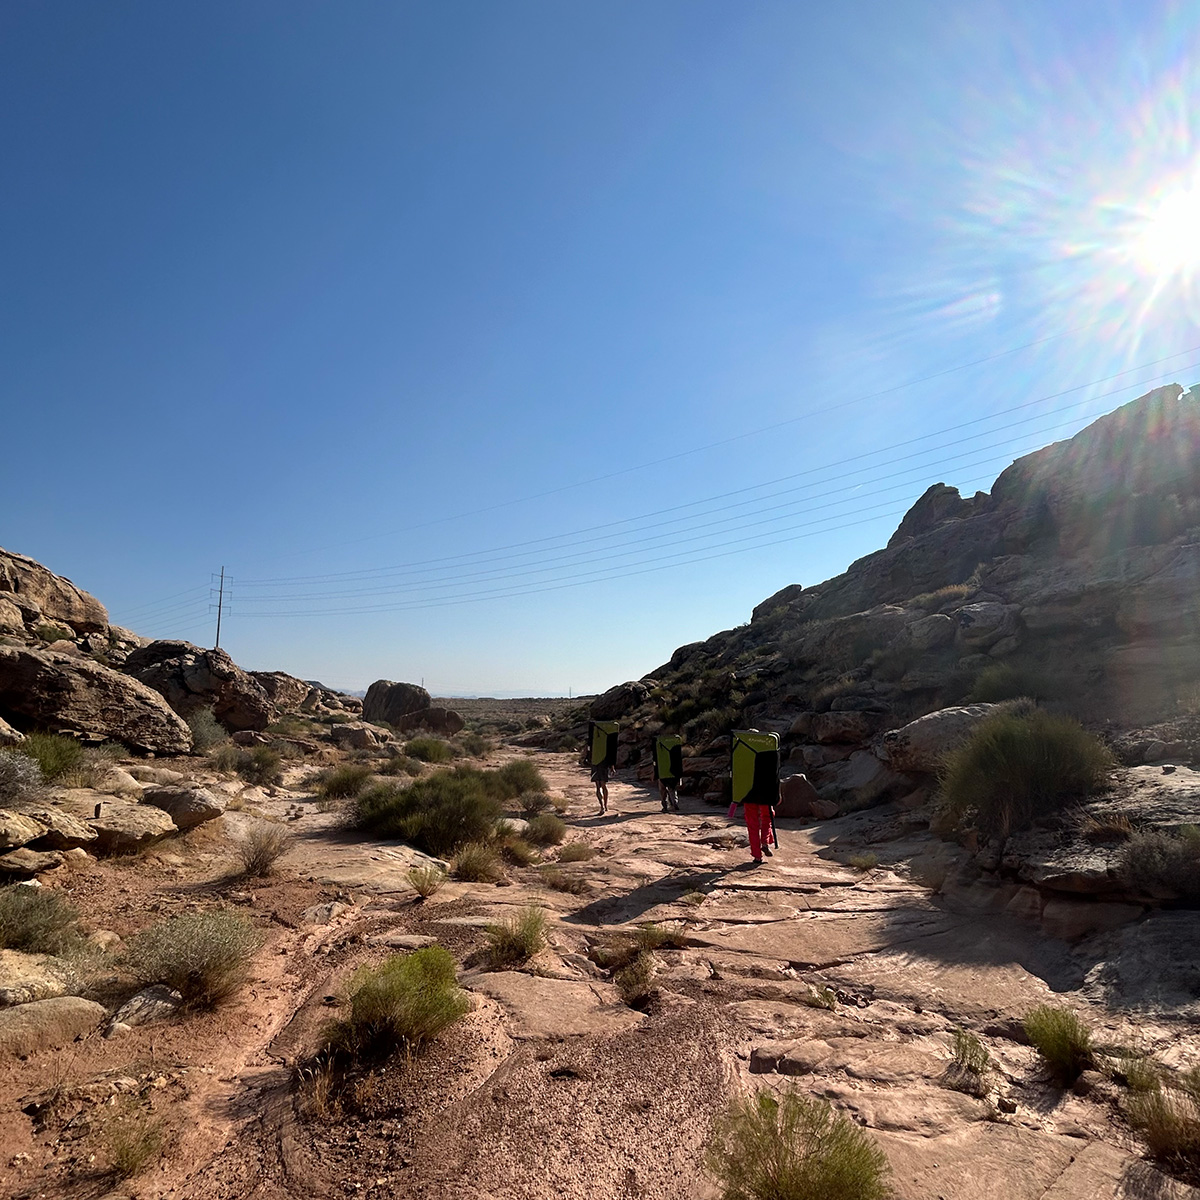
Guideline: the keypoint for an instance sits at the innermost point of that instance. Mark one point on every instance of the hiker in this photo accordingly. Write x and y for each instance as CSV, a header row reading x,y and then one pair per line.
x,y
755,782
668,769
602,757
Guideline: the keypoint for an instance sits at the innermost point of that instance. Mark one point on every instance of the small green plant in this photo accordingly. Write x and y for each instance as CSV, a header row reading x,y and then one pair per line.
x,y
261,765
517,777
516,850
635,981
261,847
345,782
560,881
428,750
932,601
207,731
1167,1119
820,996
1063,1041
437,813
533,803
52,633
400,764
427,880
517,939
1159,863
36,920
404,1003
970,1054
55,753
132,1141
546,830
1017,766
863,862
1140,1072
477,862
794,1148
474,744
655,937
225,758
205,957
576,852
90,771
20,777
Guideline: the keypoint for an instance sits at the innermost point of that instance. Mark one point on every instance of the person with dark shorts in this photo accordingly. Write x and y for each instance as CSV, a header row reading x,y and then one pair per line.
x,y
668,769
600,779
602,757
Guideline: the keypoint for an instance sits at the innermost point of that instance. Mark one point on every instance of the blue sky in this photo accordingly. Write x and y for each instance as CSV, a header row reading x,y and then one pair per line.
x,y
414,315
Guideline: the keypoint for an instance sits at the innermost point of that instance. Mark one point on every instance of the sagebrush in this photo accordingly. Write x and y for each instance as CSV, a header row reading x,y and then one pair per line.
x,y
261,847
205,957
36,920
207,731
20,777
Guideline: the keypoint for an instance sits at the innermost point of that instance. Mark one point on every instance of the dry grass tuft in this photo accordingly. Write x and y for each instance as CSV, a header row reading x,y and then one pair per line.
x,y
517,939
261,847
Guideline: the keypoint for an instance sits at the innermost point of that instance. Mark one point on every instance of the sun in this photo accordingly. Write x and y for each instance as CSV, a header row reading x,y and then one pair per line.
x,y
1167,241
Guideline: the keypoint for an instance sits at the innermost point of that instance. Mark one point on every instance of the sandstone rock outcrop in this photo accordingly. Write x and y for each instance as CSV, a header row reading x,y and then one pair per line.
x,y
186,806
188,678
37,594
392,702
286,692
47,689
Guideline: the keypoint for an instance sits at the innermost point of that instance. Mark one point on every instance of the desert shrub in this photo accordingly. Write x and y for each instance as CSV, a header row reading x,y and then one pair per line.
x,y
546,830
794,1148
1016,766
1157,862
1063,1041
91,770
635,981
207,731
261,847
20,777
261,765
1004,681
560,881
516,850
437,813
132,1141
932,601
1106,827
400,764
517,939
428,749
893,663
36,920
655,937
1167,1119
475,744
533,803
1140,1072
820,996
516,778
55,753
576,852
970,1054
403,1003
427,880
225,758
345,782
863,862
52,633
477,862
205,957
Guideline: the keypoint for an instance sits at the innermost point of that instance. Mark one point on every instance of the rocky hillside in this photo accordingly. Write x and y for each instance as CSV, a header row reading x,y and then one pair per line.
x,y
1072,581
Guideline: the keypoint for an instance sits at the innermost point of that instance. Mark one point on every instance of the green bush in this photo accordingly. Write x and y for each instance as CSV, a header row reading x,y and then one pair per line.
x,y
437,813
1156,863
205,957
635,982
402,1004
533,803
1063,1041
576,852
560,881
262,765
474,744
36,920
546,830
794,1148
345,782
261,847
400,764
516,778
207,731
1003,681
428,749
517,939
20,777
970,1054
1017,766
516,850
53,633
477,862
55,753
225,758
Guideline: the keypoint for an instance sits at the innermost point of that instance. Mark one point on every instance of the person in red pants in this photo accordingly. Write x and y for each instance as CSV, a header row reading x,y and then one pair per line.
x,y
754,784
758,825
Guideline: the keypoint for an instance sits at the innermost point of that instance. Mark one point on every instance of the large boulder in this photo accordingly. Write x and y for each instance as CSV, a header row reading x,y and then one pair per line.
x,y
51,690
122,828
186,806
41,595
391,702
48,1024
437,720
10,736
188,678
287,692
621,700
921,744
18,829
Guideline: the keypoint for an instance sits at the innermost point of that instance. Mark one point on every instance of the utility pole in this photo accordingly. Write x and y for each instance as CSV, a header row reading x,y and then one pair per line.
x,y
220,605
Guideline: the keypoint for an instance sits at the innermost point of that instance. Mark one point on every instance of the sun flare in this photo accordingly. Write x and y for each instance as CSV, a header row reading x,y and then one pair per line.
x,y
1169,241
